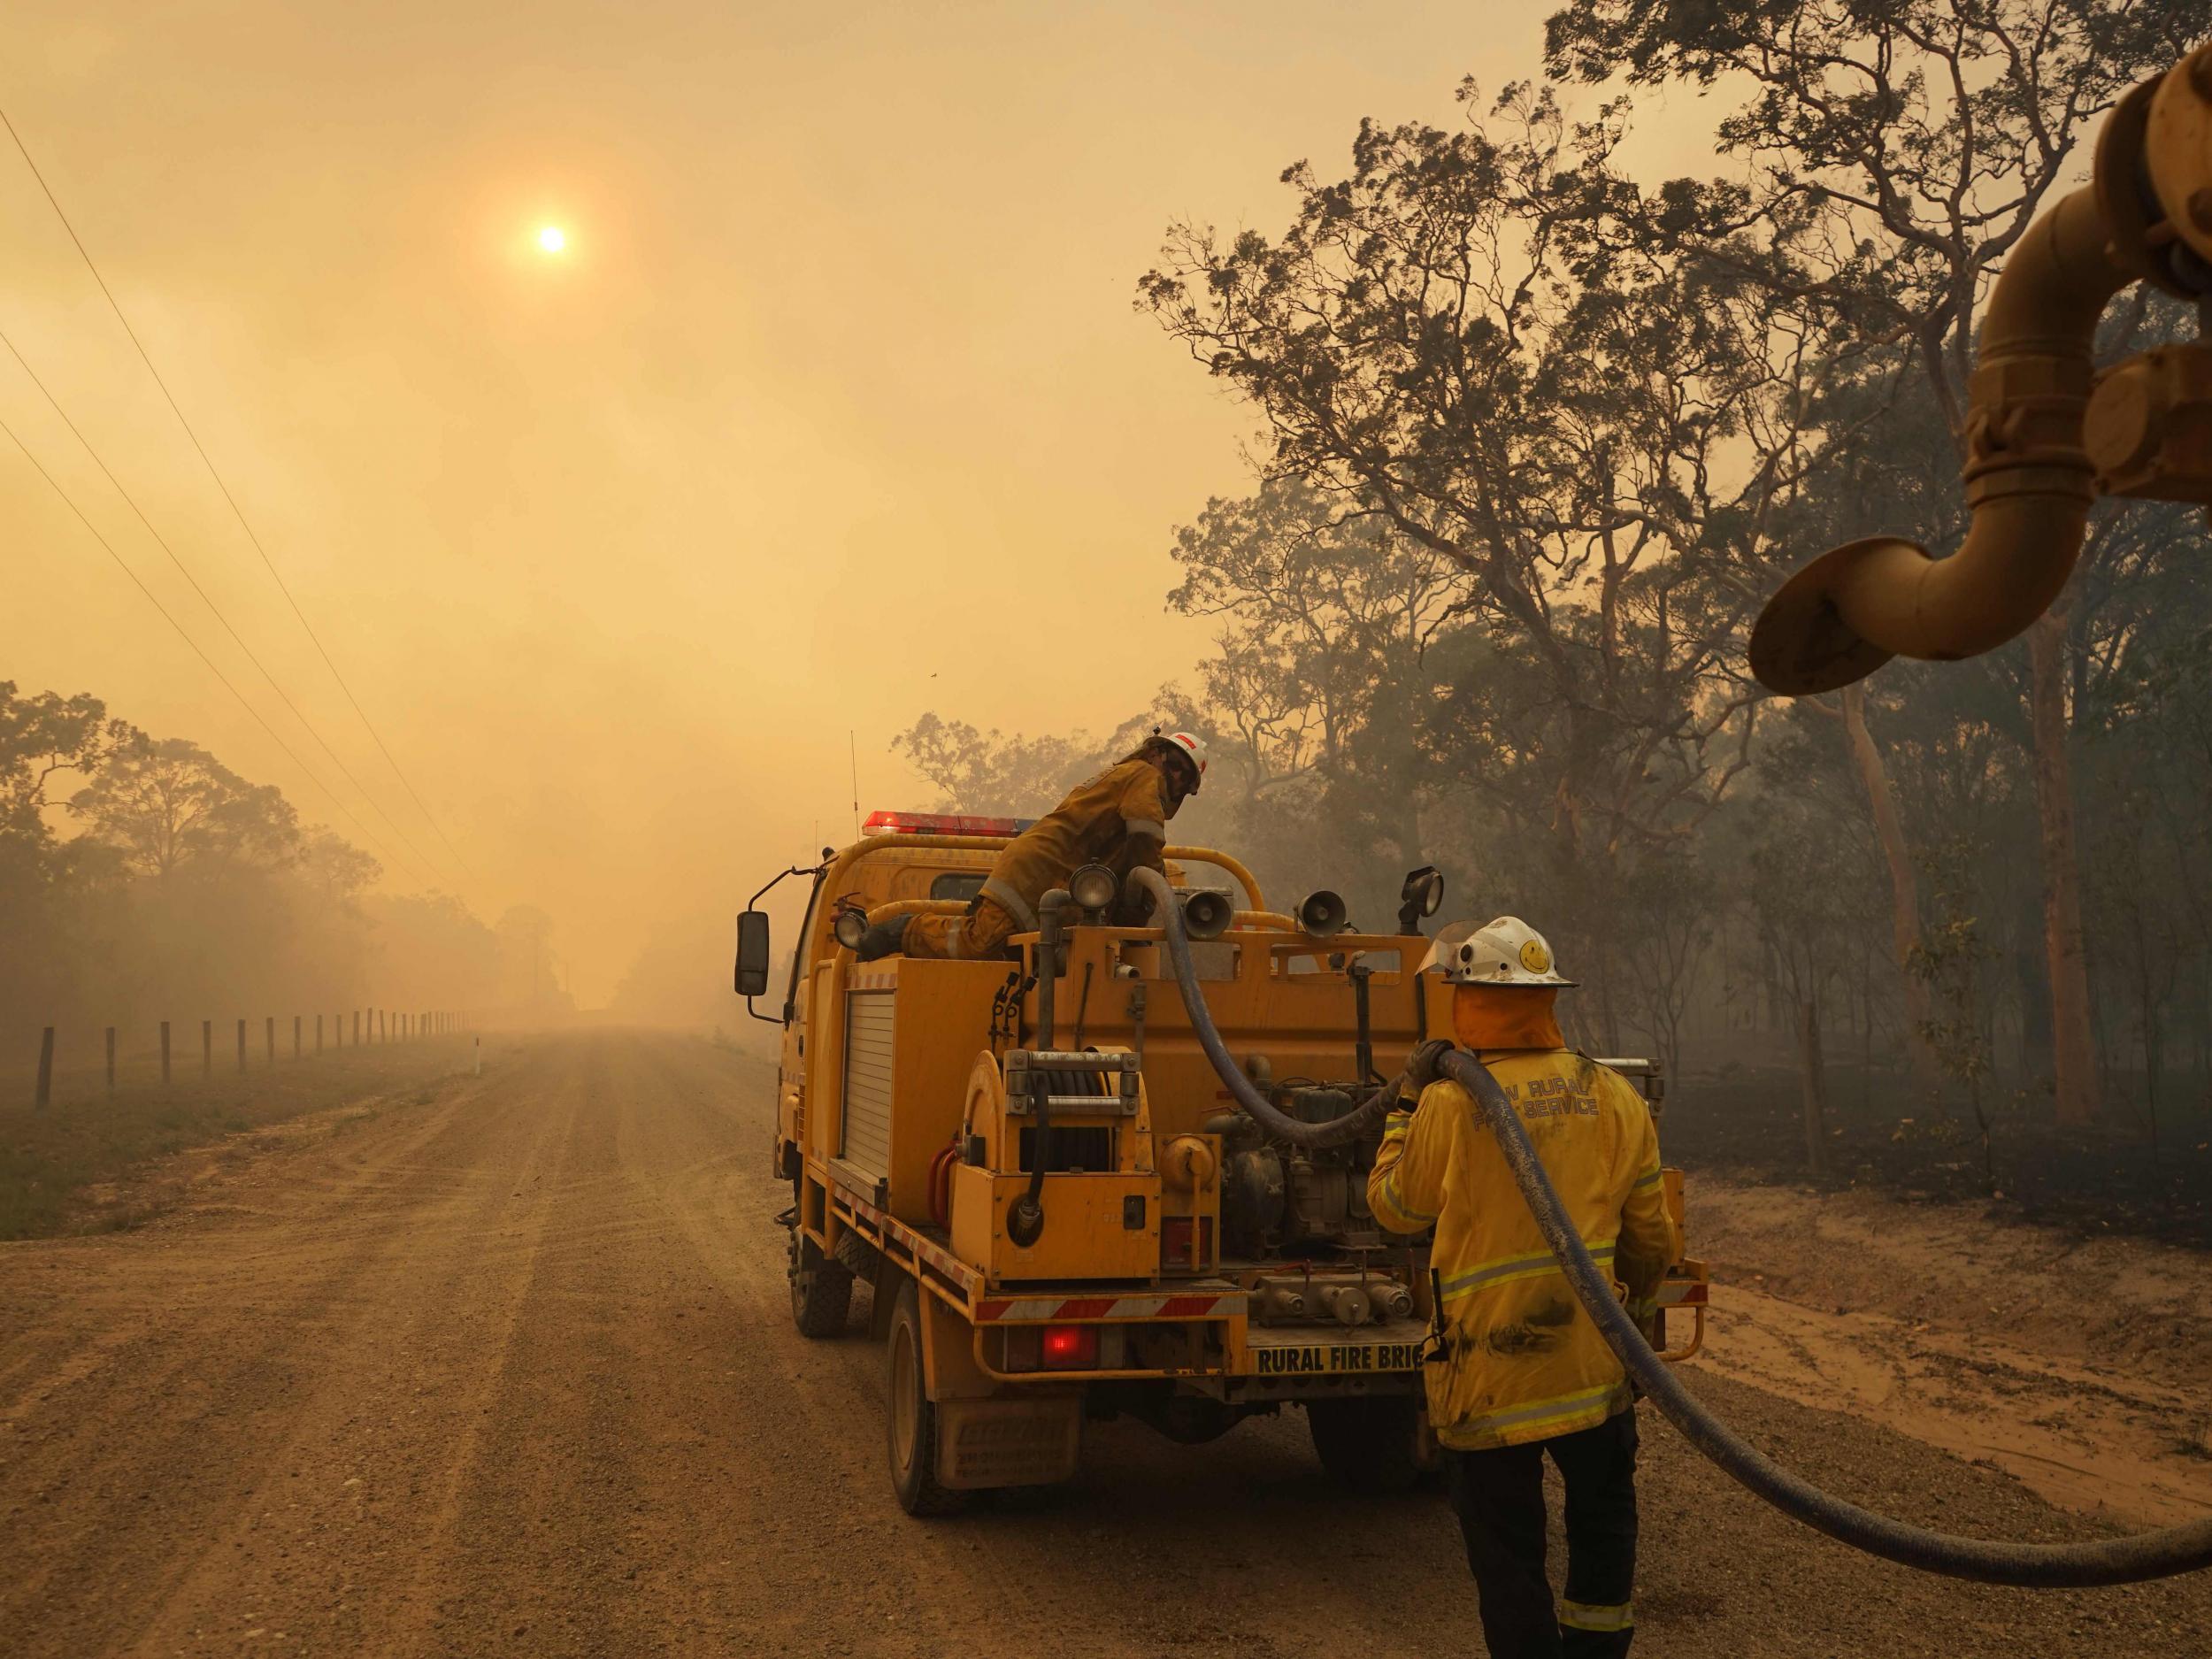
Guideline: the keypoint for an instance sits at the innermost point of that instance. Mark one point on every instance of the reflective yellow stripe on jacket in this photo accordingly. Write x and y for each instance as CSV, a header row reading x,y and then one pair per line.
x,y
1518,1359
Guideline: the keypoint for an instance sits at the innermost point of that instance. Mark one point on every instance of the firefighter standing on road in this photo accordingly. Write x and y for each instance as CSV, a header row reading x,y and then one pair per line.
x,y
1517,1368
1118,819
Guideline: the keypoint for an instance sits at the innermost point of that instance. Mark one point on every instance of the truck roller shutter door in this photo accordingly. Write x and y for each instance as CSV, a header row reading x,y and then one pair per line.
x,y
870,1020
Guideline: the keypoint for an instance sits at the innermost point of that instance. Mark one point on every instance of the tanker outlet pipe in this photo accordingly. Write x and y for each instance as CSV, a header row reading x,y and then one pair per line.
x,y
1335,1132
2156,1554
2029,481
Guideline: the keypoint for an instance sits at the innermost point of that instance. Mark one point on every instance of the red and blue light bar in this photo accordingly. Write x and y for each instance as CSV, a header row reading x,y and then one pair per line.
x,y
942,824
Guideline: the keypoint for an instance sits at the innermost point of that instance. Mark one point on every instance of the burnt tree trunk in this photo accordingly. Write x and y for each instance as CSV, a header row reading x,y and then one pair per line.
x,y
1816,1085
1904,886
2073,1048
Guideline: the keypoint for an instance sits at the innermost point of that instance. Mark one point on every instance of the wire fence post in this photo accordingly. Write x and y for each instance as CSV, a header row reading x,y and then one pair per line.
x,y
45,1068
241,1042
110,1062
318,1034
269,1036
295,1036
356,1028
164,1054
207,1048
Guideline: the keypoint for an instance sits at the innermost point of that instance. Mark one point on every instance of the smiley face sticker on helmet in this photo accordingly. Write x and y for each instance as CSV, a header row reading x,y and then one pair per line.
x,y
1534,957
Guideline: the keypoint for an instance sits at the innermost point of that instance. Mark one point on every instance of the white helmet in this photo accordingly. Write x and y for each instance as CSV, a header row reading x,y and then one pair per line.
x,y
1507,951
1191,750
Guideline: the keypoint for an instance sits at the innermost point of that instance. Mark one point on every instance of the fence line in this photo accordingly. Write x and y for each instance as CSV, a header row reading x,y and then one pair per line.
x,y
410,1027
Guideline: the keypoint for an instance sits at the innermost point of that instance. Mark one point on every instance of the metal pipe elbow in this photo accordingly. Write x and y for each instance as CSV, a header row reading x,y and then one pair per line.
x,y
2028,478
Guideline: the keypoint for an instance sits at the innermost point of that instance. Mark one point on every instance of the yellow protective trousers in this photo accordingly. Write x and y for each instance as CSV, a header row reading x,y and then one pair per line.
x,y
981,931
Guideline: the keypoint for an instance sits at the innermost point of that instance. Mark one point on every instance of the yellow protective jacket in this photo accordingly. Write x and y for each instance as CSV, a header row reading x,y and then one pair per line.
x,y
1119,818
1517,1358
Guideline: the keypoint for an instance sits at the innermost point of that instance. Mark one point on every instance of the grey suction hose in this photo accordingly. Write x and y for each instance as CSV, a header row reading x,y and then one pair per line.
x,y
2157,1555
1336,1133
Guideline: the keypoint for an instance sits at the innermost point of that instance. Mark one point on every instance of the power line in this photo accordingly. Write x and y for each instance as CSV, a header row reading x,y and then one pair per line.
x,y
305,770
367,725
162,541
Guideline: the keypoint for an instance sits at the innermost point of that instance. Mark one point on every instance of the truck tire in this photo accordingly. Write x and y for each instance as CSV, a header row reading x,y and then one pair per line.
x,y
821,1289
1371,1444
911,1418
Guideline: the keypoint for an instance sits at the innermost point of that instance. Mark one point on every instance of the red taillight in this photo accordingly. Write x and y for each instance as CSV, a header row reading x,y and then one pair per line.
x,y
1070,1346
942,824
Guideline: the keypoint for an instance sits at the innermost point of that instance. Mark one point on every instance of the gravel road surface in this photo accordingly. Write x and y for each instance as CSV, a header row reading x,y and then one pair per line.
x,y
505,1365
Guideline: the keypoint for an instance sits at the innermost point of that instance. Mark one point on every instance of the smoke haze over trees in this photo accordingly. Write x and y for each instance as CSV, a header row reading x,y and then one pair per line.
x,y
142,879
1536,438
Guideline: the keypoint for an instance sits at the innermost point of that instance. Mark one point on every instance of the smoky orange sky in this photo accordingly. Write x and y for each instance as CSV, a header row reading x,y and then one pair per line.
x,y
834,409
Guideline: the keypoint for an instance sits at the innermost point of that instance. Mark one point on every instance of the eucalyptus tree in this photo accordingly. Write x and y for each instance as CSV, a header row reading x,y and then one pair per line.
x,y
1600,460
1891,156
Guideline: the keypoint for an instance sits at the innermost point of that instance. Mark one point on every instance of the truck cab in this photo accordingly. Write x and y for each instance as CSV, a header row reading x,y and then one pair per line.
x,y
1063,1211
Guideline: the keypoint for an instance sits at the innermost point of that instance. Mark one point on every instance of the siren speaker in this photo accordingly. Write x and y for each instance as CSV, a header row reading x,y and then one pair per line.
x,y
1206,913
1322,912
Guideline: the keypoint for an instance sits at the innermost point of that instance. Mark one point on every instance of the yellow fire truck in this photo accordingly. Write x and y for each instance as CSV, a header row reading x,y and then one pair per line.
x,y
1124,1173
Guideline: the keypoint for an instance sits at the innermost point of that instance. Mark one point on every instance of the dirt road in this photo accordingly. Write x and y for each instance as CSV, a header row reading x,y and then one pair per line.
x,y
507,1368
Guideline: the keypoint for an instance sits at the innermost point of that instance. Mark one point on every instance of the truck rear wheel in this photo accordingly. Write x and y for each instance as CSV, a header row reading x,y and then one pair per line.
x,y
821,1289
1371,1444
912,1416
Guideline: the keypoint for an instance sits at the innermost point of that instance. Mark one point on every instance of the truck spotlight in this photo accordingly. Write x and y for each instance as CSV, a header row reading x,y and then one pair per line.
x,y
1422,895
1206,913
1093,887
851,926
1322,912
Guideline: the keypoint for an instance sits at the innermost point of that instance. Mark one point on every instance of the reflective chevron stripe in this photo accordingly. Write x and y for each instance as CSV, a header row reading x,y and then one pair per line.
x,y
1049,1309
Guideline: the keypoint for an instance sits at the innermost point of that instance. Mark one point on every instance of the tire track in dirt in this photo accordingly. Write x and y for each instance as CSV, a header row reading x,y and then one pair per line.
x,y
541,1320
262,1350
380,1445
165,1425
1980,1337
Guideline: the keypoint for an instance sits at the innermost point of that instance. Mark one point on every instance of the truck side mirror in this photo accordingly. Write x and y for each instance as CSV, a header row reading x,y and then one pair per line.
x,y
752,953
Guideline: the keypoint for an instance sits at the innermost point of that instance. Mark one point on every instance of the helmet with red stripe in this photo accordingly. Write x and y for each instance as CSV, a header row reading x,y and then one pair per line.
x,y
1191,750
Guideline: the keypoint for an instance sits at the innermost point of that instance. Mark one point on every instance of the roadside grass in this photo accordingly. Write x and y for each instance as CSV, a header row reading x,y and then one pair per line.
x,y
51,1160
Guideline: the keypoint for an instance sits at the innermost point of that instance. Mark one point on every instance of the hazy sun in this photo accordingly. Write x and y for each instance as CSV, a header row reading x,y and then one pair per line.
x,y
552,239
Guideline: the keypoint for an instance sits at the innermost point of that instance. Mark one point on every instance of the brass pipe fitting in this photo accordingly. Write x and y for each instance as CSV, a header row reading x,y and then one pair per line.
x,y
2027,476
2045,436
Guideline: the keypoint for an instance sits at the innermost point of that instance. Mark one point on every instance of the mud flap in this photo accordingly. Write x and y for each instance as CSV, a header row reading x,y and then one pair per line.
x,y
1016,1442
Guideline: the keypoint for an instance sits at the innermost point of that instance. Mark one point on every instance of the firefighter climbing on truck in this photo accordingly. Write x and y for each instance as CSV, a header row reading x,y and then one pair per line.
x,y
1517,1370
1118,819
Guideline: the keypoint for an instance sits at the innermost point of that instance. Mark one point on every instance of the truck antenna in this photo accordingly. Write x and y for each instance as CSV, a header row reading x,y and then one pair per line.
x,y
852,745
